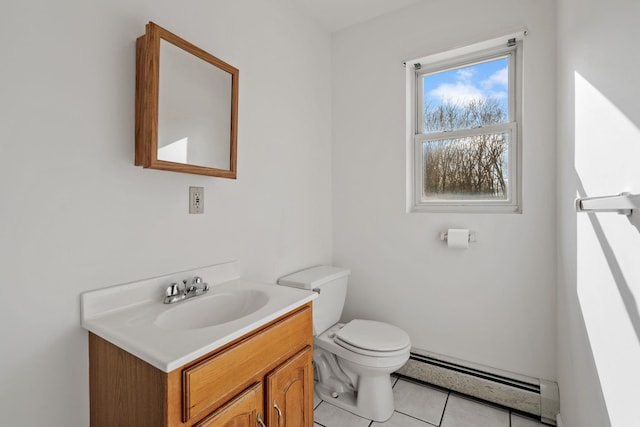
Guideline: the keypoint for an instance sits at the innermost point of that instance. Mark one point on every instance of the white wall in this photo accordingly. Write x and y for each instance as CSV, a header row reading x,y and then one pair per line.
x,y
599,273
493,304
76,214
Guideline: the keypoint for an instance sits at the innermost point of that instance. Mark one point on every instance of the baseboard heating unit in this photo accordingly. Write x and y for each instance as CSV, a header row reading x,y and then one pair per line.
x,y
533,396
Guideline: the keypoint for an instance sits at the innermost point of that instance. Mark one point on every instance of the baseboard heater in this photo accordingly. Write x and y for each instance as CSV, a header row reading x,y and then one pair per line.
x,y
533,396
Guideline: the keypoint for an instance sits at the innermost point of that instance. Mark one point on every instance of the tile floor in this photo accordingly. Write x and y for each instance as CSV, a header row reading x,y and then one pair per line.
x,y
419,405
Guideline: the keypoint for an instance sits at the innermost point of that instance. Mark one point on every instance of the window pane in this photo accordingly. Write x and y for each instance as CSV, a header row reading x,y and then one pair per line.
x,y
470,168
466,97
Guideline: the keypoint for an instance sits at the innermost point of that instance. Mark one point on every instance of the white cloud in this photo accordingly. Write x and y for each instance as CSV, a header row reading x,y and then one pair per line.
x,y
457,93
499,78
464,90
497,94
465,74
497,83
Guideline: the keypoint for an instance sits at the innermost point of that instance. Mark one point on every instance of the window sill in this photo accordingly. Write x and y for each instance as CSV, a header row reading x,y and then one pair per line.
x,y
465,209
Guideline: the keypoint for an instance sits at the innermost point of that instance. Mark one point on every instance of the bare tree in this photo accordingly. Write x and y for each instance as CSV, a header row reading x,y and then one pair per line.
x,y
471,166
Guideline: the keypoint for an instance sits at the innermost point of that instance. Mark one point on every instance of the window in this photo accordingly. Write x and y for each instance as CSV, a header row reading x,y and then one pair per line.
x,y
464,124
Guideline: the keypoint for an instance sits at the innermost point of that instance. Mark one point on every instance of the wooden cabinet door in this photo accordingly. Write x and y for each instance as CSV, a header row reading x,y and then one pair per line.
x,y
289,388
242,411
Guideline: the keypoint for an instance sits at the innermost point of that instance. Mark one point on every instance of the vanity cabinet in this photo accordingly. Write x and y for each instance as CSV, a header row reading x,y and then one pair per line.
x,y
264,376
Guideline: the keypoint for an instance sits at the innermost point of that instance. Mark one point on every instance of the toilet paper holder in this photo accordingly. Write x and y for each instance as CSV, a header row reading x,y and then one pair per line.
x,y
444,235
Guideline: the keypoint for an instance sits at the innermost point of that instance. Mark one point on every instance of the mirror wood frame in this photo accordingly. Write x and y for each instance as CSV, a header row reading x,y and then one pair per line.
x,y
147,98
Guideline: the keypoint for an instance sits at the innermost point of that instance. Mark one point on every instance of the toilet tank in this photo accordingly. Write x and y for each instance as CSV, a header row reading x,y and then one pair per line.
x,y
331,285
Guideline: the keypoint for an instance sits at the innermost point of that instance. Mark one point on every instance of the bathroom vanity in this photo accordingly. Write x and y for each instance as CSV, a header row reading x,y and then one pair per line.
x,y
255,370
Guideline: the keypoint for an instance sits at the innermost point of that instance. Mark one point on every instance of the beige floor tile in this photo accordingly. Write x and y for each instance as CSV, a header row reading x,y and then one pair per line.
x,y
401,420
462,412
419,401
331,416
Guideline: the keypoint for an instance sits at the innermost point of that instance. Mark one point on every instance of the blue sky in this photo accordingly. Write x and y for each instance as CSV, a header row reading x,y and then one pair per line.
x,y
462,85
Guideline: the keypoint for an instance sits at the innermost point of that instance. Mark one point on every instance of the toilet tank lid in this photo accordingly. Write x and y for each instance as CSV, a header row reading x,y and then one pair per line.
x,y
311,278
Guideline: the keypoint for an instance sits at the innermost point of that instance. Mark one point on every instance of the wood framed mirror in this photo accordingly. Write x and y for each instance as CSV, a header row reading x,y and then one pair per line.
x,y
186,107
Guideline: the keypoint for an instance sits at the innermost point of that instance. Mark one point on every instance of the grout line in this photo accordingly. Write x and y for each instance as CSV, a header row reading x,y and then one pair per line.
x,y
395,381
446,402
415,418
339,409
315,422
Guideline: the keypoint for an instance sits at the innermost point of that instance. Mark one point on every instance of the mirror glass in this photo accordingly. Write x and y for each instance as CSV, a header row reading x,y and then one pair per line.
x,y
186,107
193,126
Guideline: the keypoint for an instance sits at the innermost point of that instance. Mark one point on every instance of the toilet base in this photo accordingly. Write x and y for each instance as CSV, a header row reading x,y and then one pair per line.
x,y
356,382
373,399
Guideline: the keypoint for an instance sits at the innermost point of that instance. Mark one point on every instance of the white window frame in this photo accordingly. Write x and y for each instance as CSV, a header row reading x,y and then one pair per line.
x,y
455,58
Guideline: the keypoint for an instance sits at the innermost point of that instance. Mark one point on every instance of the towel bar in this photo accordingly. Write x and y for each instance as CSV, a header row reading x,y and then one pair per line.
x,y
623,203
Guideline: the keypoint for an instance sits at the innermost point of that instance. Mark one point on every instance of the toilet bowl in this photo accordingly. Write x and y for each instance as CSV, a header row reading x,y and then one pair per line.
x,y
359,379
352,361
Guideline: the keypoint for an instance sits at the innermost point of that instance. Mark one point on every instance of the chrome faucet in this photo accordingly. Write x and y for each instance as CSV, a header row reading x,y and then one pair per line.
x,y
178,292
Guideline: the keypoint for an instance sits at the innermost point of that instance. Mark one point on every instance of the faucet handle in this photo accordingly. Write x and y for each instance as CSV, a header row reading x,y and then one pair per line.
x,y
198,285
173,290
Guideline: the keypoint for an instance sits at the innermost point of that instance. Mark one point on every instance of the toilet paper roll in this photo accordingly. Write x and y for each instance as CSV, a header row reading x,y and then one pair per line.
x,y
458,238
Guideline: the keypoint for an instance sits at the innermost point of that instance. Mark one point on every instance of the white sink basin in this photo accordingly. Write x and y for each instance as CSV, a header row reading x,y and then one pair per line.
x,y
133,316
212,309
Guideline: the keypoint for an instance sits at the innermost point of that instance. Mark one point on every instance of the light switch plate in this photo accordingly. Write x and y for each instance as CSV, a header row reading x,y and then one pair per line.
x,y
196,200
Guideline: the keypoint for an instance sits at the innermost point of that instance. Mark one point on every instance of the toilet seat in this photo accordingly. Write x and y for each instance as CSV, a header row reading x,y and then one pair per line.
x,y
371,338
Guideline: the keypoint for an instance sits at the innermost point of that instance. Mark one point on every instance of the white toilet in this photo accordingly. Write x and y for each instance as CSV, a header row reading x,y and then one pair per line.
x,y
353,360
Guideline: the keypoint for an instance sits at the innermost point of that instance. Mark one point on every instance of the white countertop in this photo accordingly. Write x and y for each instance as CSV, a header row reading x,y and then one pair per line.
x,y
125,315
